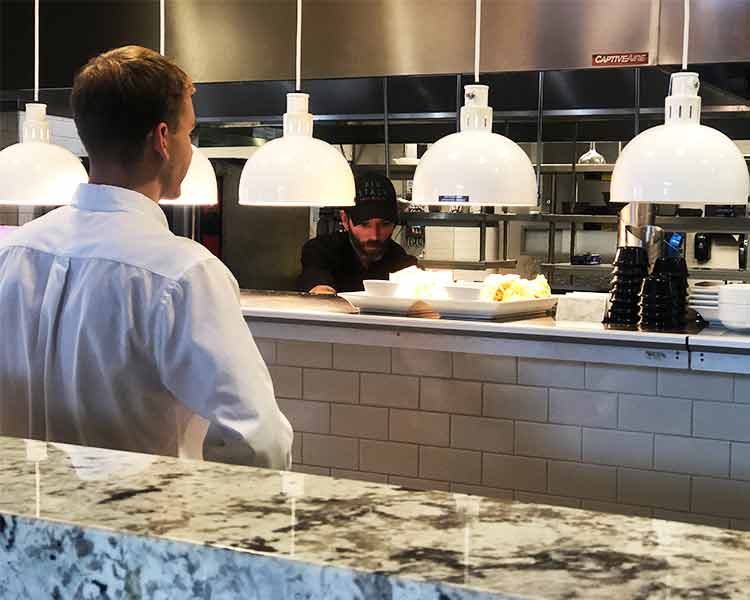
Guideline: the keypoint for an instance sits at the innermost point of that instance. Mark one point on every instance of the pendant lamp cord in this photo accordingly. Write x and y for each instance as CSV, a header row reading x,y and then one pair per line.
x,y
299,44
685,35
162,26
36,50
477,38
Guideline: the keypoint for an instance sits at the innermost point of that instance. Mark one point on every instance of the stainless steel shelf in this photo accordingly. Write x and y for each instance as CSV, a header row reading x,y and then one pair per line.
x,y
407,171
468,265
714,274
568,268
706,224
703,224
450,219
726,274
570,168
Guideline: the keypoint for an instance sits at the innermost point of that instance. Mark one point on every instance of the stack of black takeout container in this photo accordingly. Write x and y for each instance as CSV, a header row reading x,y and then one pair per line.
x,y
664,295
631,268
655,302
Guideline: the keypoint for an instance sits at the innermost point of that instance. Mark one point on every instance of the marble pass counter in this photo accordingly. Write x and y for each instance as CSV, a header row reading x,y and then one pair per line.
x,y
648,424
83,523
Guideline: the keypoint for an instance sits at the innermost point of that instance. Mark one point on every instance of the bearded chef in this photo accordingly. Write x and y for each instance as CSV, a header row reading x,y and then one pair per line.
x,y
341,261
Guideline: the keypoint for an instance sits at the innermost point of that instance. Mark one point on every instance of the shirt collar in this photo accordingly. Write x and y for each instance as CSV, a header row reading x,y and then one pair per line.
x,y
109,198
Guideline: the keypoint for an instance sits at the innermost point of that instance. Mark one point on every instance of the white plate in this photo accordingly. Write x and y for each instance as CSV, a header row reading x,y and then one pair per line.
x,y
452,308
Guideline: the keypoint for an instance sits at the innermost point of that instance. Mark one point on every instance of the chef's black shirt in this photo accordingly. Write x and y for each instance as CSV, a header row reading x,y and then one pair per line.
x,y
331,260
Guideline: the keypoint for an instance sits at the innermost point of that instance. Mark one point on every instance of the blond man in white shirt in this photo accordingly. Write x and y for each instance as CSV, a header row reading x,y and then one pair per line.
x,y
117,333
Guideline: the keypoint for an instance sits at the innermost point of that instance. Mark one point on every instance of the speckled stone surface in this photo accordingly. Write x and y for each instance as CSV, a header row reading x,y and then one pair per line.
x,y
80,523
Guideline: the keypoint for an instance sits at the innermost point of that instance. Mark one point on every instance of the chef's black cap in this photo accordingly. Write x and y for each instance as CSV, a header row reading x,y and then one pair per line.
x,y
375,198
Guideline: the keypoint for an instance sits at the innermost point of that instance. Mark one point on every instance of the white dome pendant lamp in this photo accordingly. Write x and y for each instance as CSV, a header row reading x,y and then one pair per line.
x,y
475,166
199,188
682,161
297,169
36,172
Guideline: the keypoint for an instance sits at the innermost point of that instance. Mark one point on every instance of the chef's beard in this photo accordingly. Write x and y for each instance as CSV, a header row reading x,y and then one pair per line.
x,y
371,251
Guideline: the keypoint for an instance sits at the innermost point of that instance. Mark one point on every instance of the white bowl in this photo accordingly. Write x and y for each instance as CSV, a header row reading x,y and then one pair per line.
x,y
380,287
737,293
463,292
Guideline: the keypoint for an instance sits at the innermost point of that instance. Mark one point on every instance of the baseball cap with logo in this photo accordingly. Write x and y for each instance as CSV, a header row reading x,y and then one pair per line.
x,y
375,198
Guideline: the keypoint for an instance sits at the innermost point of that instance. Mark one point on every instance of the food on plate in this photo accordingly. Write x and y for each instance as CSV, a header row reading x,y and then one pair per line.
x,y
420,284
506,288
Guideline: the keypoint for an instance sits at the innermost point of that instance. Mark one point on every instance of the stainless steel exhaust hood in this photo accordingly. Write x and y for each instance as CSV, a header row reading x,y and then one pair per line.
x,y
251,40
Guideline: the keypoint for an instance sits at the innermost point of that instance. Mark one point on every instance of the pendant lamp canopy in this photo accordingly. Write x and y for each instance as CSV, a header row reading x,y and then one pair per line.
x,y
297,169
475,166
36,172
199,188
682,161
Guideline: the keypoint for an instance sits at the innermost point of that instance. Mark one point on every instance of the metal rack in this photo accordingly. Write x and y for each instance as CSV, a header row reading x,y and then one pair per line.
x,y
725,274
483,220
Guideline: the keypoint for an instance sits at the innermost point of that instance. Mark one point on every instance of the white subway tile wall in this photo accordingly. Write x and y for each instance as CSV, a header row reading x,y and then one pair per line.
x,y
480,367
331,386
634,441
581,407
304,354
515,402
611,378
549,499
349,357
698,386
287,381
742,388
422,362
550,441
451,396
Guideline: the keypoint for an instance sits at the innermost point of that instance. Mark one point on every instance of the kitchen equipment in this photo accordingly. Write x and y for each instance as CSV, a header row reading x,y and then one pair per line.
x,y
651,238
586,259
702,247
591,157
742,254
635,214
461,309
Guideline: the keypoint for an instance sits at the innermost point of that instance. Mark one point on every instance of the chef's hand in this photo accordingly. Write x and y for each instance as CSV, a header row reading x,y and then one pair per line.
x,y
323,289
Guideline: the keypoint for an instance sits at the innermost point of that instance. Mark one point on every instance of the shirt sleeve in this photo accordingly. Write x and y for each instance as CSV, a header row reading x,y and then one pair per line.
x,y
209,361
316,267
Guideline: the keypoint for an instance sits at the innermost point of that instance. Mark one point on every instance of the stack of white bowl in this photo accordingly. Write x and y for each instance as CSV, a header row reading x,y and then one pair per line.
x,y
734,306
703,297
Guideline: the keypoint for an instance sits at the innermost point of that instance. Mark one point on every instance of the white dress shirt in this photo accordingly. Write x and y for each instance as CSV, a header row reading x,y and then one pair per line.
x,y
119,334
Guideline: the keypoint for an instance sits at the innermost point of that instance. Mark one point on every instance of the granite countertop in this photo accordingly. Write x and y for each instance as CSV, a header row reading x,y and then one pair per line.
x,y
111,524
